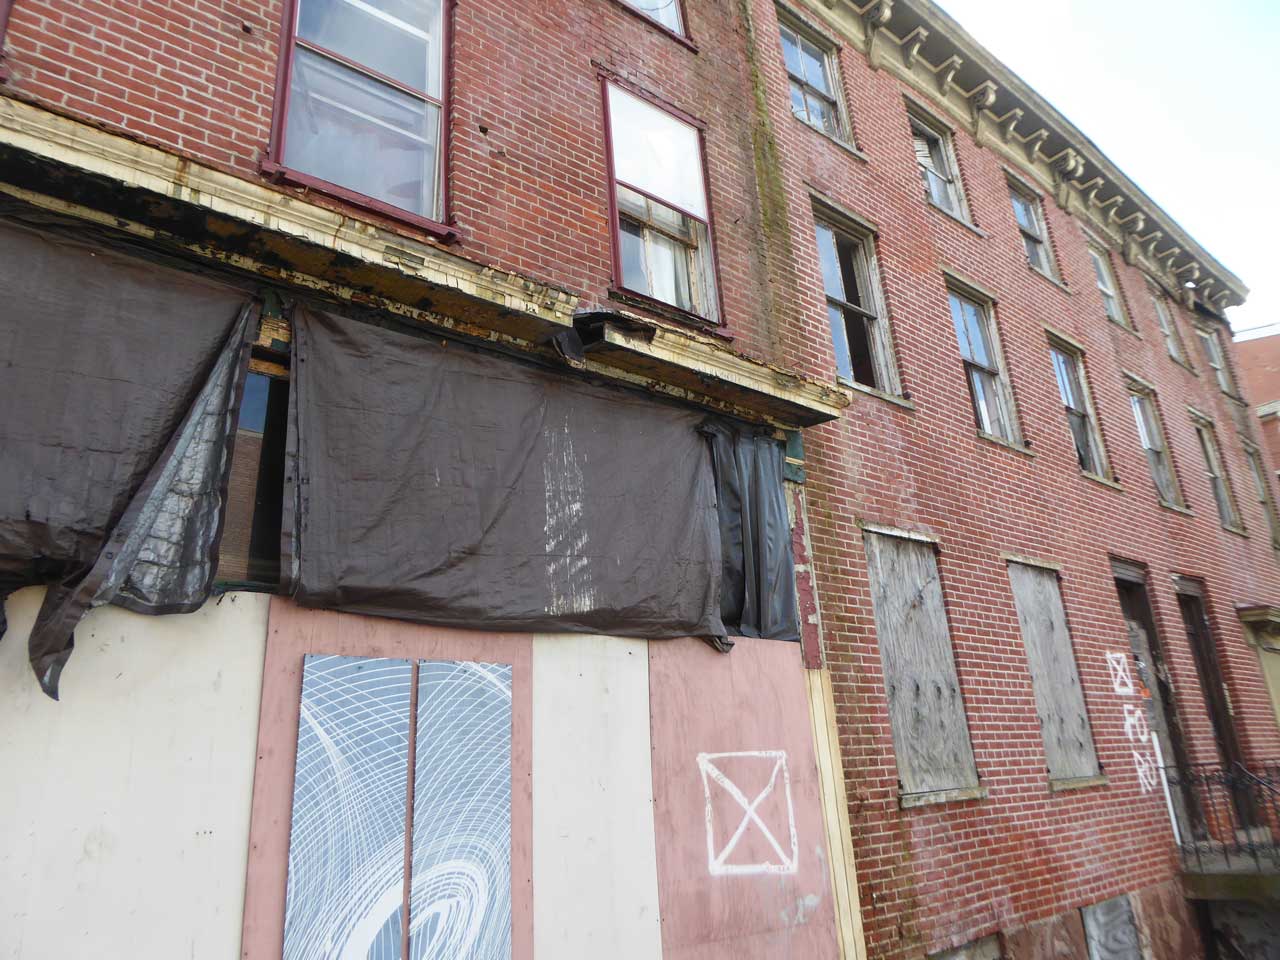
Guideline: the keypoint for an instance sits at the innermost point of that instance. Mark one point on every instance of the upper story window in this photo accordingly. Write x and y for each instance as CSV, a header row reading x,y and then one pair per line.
x,y
1107,286
859,327
992,402
663,240
1172,342
1151,436
1035,235
936,159
665,12
815,79
362,111
1216,472
1263,491
1068,367
1217,360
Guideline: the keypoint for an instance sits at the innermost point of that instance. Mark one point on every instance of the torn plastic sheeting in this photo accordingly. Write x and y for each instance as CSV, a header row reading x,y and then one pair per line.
x,y
758,590
103,354
444,485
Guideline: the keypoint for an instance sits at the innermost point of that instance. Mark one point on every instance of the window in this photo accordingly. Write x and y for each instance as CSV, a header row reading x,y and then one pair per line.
x,y
936,159
1068,367
859,330
1263,490
665,12
1110,931
1216,473
926,711
1213,354
815,82
1055,679
1107,286
1035,236
1151,436
663,246
401,799
1172,342
992,405
365,79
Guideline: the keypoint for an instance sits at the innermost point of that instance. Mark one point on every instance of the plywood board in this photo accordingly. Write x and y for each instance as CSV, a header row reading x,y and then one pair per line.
x,y
743,861
926,710
1110,930
1064,721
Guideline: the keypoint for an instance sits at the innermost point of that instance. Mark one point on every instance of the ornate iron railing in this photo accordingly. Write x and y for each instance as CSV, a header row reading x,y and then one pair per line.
x,y
1228,816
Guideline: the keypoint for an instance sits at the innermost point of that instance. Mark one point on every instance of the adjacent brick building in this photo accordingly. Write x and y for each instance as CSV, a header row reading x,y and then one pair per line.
x,y
1033,518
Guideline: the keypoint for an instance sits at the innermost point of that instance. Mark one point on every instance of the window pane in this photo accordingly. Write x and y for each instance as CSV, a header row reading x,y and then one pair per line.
x,y
340,119
1035,253
1111,307
1062,365
1082,435
862,350
397,38
1100,270
1140,420
940,191
666,12
840,342
1023,211
791,53
669,270
832,278
823,115
848,253
986,403
815,66
656,153
798,105
923,155
631,242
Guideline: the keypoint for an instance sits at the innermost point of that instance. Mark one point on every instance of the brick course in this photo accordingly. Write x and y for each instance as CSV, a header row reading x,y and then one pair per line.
x,y
529,192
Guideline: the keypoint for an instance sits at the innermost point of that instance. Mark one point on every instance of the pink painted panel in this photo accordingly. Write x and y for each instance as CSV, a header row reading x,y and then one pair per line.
x,y
293,632
735,780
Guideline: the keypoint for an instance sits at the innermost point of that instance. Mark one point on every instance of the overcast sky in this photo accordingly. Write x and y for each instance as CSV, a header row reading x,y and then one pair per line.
x,y
1181,95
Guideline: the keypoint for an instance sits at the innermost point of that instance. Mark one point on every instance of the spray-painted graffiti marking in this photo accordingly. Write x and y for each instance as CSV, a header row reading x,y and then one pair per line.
x,y
1121,674
752,845
1136,727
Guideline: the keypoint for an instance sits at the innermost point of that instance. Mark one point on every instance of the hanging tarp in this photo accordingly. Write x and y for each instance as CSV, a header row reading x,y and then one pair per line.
x,y
117,401
432,482
758,590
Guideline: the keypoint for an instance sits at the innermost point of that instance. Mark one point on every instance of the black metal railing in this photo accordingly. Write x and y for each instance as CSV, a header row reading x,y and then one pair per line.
x,y
1228,816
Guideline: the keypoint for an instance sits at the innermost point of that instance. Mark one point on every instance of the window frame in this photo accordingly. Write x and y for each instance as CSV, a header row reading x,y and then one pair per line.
x,y
1036,204
998,372
1075,355
618,286
681,36
1099,255
1145,395
1266,502
1168,325
790,21
1215,470
867,268
275,166
918,119
1211,345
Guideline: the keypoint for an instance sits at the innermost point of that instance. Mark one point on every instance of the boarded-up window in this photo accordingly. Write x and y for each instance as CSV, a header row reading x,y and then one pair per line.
x,y
1111,931
1064,723
926,712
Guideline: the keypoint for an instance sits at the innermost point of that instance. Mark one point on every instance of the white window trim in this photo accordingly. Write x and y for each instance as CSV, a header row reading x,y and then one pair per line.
x,y
1100,251
1034,201
790,20
1144,391
1077,355
1001,369
919,117
1215,468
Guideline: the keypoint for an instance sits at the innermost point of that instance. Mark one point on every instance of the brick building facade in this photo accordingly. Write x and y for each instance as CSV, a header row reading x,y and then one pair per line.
x,y
941,185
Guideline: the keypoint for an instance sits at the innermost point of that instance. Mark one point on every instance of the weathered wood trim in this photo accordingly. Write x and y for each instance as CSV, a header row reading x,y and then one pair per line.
x,y
886,531
1078,783
909,800
1031,561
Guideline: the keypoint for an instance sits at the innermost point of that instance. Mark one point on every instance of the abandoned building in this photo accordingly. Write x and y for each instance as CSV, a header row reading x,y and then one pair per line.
x,y
643,479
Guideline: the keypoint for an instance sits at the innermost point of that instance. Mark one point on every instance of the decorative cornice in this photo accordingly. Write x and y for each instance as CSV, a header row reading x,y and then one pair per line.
x,y
936,56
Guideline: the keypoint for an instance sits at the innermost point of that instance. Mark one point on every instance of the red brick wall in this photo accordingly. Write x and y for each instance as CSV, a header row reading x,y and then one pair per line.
x,y
1258,362
529,192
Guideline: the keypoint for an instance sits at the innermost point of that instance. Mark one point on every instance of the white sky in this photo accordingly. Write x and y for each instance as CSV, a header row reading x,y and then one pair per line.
x,y
1181,95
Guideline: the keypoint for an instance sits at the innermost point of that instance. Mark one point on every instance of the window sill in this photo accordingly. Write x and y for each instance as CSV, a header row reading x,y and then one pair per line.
x,y
1185,365
1176,508
1007,444
844,145
908,800
657,25
956,218
1105,481
666,311
1078,783
1125,327
878,394
1238,531
1045,275
282,174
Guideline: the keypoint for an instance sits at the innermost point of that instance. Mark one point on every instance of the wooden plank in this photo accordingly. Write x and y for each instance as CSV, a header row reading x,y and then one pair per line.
x,y
926,710
1055,679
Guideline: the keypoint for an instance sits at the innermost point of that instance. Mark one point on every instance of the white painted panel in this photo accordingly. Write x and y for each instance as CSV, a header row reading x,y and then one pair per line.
x,y
124,815
594,864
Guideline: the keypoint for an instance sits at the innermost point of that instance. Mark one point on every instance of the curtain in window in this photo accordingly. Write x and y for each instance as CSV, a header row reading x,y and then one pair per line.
x,y
120,397
438,483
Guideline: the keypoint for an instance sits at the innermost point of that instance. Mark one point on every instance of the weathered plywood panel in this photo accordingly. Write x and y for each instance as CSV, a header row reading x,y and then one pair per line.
x,y
926,710
741,845
294,633
1064,721
125,805
1110,930
594,865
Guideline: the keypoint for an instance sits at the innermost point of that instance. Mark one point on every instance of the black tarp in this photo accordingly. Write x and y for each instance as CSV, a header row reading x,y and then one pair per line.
x,y
758,589
429,481
119,384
